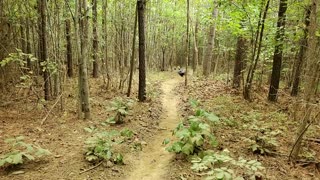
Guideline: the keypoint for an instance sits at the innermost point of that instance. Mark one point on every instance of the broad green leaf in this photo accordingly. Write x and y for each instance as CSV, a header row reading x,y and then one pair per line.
x,y
187,149
17,159
183,133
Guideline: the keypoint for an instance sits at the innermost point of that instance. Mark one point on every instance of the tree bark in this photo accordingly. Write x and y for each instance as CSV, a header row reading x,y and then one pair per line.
x,y
29,64
195,57
239,58
207,61
43,46
105,46
313,67
69,49
256,52
132,65
142,67
277,56
301,55
95,40
83,72
187,43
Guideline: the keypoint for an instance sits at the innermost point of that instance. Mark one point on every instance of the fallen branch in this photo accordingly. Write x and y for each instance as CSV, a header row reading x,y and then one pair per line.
x,y
91,168
45,118
313,140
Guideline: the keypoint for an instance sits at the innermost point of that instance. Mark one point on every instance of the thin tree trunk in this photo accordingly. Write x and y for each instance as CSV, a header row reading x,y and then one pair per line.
x,y
69,49
83,60
95,40
23,36
105,49
195,49
28,43
132,65
187,43
303,48
207,61
277,56
256,53
142,67
43,46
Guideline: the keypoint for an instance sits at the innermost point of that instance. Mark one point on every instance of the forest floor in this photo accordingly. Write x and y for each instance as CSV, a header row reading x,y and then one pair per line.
x,y
243,126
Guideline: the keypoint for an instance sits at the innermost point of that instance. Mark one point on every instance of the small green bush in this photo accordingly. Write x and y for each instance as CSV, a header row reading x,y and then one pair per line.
x,y
101,146
21,151
121,108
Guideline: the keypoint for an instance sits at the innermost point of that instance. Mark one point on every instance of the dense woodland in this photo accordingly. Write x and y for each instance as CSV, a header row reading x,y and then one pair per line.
x,y
106,71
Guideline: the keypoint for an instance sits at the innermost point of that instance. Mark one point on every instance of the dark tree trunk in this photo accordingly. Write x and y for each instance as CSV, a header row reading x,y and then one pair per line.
x,y
28,44
95,40
43,45
69,49
142,67
239,58
302,51
23,37
277,57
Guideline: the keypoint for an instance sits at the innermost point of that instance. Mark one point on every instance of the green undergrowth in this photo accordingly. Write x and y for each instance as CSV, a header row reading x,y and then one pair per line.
x,y
106,145
21,151
197,142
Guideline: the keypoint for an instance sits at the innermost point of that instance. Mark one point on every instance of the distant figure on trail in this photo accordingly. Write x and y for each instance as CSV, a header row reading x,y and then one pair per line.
x,y
181,72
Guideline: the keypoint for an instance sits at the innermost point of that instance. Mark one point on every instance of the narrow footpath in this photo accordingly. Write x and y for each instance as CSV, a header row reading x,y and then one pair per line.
x,y
154,161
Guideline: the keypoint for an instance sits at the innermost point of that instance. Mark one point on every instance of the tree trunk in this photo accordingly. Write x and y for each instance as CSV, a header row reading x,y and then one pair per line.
x,y
23,36
187,44
239,59
303,48
132,65
207,61
142,68
313,68
28,43
69,49
195,49
277,56
95,40
163,59
43,46
256,52
84,89
105,46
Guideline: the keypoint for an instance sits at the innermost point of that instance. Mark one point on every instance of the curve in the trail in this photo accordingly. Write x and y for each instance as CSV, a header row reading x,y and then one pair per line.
x,y
154,161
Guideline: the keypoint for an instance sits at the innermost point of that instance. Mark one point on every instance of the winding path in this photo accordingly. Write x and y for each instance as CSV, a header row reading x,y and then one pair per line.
x,y
155,159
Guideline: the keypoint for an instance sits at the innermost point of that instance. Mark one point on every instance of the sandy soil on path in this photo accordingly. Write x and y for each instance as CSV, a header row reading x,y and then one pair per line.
x,y
154,160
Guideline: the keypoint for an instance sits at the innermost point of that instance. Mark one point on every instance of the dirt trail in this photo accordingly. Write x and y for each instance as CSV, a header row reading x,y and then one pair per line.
x,y
155,159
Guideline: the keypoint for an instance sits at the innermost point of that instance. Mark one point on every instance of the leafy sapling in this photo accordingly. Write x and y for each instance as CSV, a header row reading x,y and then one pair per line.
x,y
121,108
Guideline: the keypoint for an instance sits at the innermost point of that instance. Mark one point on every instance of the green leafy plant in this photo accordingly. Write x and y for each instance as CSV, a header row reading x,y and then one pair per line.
x,y
18,57
101,146
20,151
263,144
120,107
223,166
196,134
